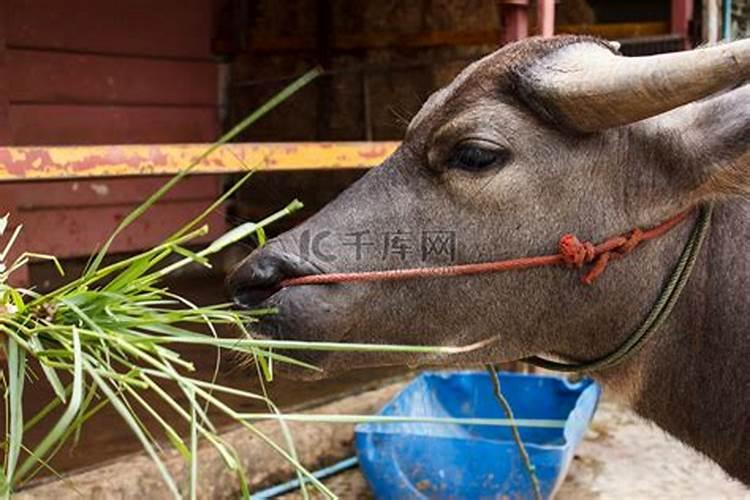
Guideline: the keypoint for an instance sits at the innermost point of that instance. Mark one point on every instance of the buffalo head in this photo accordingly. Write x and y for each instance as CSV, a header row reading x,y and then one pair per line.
x,y
542,137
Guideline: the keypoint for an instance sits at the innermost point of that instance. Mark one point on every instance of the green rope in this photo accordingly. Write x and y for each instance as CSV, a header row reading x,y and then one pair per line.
x,y
657,316
659,312
530,469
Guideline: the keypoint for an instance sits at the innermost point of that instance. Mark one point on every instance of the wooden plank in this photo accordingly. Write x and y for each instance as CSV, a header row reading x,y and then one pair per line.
x,y
9,205
4,76
171,28
514,20
54,77
681,14
28,163
615,31
77,232
271,42
72,124
106,192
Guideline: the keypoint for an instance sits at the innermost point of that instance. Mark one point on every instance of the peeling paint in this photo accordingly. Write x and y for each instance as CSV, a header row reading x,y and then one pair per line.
x,y
100,189
67,162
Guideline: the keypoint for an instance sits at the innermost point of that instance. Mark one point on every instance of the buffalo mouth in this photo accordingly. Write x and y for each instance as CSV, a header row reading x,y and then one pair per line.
x,y
285,313
282,325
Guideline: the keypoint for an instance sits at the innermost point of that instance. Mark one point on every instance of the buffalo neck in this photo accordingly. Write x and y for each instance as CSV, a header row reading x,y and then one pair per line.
x,y
692,379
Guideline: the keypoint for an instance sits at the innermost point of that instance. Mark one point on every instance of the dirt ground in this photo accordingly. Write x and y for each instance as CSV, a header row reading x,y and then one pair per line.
x,y
622,457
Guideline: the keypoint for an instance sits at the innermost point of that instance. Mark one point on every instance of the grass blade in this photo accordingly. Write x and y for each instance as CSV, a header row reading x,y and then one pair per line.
x,y
49,372
127,416
68,416
363,419
227,137
16,376
193,446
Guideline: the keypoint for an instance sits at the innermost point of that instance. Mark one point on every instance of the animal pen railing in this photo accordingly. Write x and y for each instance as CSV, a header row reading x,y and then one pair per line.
x,y
69,219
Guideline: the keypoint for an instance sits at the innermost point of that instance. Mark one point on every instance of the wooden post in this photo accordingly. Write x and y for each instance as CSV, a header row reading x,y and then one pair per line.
x,y
324,29
4,75
9,195
682,13
545,17
711,21
514,20
9,203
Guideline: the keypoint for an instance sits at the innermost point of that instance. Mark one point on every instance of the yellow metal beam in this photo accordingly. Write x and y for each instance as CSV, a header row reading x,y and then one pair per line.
x,y
74,162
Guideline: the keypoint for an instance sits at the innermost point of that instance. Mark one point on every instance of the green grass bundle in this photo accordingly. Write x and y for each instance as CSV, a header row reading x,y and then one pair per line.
x,y
104,339
108,334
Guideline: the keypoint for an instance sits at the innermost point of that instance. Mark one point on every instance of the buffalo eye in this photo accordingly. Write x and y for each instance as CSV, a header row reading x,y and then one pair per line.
x,y
473,157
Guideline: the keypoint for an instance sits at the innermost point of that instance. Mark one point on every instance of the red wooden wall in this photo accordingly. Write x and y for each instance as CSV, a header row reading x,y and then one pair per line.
x,y
78,72
94,72
4,74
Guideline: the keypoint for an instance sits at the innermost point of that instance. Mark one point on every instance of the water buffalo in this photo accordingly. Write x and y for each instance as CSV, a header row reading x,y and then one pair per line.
x,y
543,137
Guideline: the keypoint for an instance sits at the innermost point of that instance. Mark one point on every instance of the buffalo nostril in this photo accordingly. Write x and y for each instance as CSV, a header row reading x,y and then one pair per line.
x,y
253,296
257,279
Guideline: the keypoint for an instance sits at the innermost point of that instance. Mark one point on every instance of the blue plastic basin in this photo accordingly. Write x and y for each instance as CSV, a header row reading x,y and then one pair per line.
x,y
428,460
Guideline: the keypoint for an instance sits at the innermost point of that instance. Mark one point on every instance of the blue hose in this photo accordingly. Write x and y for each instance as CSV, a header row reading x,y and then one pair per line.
x,y
294,484
727,23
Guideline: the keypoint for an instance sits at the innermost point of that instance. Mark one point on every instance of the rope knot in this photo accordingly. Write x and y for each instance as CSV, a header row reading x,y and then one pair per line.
x,y
632,240
575,252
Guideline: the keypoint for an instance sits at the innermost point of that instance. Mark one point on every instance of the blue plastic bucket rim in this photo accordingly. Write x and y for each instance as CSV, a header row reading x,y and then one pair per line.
x,y
591,387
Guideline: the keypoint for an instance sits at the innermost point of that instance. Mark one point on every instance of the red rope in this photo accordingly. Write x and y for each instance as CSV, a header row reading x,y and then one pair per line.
x,y
572,253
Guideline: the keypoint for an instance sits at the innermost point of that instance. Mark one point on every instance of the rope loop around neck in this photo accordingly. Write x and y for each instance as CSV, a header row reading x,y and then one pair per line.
x,y
659,313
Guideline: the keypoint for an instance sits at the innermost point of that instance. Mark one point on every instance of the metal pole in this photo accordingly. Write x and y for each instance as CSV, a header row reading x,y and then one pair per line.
x,y
545,17
711,21
514,20
727,23
295,484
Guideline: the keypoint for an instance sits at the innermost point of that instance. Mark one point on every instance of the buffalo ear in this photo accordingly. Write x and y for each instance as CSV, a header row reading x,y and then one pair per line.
x,y
712,139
